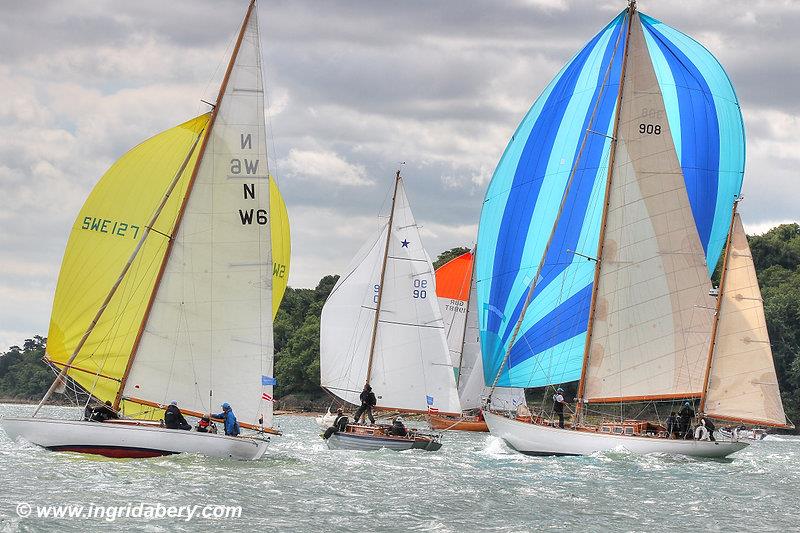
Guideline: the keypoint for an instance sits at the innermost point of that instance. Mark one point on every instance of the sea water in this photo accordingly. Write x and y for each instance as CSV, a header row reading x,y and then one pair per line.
x,y
475,483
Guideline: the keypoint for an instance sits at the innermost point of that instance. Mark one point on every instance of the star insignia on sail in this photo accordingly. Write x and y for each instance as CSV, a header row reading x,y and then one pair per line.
x,y
405,243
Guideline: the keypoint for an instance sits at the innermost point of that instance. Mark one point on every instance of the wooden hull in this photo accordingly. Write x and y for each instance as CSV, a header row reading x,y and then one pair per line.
x,y
534,439
367,438
447,423
130,441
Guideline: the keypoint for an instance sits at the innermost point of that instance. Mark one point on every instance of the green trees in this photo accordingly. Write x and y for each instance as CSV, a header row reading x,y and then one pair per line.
x,y
448,255
776,255
23,374
297,340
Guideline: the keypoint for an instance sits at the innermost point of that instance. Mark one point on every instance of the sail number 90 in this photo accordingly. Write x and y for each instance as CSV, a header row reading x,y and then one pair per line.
x,y
650,129
420,288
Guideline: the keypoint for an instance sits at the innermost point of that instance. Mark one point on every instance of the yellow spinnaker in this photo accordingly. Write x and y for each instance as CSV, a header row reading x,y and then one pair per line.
x,y
104,235
281,246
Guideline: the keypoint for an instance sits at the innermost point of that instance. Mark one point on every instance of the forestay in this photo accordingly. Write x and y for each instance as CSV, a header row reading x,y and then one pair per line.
x,y
208,337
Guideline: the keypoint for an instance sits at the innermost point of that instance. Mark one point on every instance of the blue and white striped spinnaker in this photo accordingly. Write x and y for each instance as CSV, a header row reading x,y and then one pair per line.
x,y
568,130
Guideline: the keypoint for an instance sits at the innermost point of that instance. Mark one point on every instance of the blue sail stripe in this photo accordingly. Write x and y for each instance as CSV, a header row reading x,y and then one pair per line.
x,y
526,188
569,229
715,181
528,179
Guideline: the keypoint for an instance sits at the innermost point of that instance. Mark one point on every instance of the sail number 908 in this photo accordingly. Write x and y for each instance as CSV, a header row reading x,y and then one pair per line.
x,y
650,129
420,288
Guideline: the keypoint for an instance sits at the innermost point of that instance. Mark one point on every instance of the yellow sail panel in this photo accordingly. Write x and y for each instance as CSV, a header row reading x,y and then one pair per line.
x,y
103,237
281,245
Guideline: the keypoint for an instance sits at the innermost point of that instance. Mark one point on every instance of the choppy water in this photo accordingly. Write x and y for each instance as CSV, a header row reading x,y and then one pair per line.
x,y
474,483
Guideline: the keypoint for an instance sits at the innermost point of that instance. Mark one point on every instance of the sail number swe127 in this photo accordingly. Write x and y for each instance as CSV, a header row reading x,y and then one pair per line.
x,y
110,227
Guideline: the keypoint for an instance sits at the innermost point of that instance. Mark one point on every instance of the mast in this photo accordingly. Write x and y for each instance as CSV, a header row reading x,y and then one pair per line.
x,y
532,287
179,218
115,286
383,274
466,318
713,342
606,201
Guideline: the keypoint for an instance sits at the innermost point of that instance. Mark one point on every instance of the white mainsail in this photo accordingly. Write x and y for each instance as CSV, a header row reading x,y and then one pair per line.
x,y
208,336
742,384
652,313
411,367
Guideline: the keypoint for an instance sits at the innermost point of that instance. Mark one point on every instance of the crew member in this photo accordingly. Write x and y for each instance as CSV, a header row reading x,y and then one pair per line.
x,y
339,424
101,413
672,425
398,429
709,425
204,425
227,416
173,418
368,401
558,406
686,415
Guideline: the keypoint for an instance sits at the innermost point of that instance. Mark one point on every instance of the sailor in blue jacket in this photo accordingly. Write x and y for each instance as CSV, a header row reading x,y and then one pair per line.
x,y
227,416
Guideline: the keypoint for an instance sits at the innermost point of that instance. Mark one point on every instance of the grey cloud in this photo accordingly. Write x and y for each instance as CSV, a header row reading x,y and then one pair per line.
x,y
440,85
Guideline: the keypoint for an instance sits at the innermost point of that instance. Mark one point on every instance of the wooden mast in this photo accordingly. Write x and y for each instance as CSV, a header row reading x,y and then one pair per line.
x,y
383,274
714,324
68,364
532,288
606,200
466,322
189,188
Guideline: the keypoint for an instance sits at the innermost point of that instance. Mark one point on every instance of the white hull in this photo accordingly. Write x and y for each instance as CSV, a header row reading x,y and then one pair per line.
x,y
532,439
124,440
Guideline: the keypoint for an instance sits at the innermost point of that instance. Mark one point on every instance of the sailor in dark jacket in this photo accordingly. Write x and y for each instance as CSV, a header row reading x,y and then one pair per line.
x,y
339,424
368,401
100,412
173,418
398,429
686,415
672,424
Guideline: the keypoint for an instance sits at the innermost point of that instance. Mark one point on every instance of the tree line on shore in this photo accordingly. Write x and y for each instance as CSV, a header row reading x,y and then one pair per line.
x,y
776,254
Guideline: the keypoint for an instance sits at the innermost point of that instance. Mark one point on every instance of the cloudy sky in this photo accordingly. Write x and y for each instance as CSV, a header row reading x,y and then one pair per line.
x,y
355,88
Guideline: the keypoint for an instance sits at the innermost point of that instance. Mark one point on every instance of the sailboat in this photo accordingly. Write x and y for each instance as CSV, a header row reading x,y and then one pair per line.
x,y
455,289
381,325
166,287
640,135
